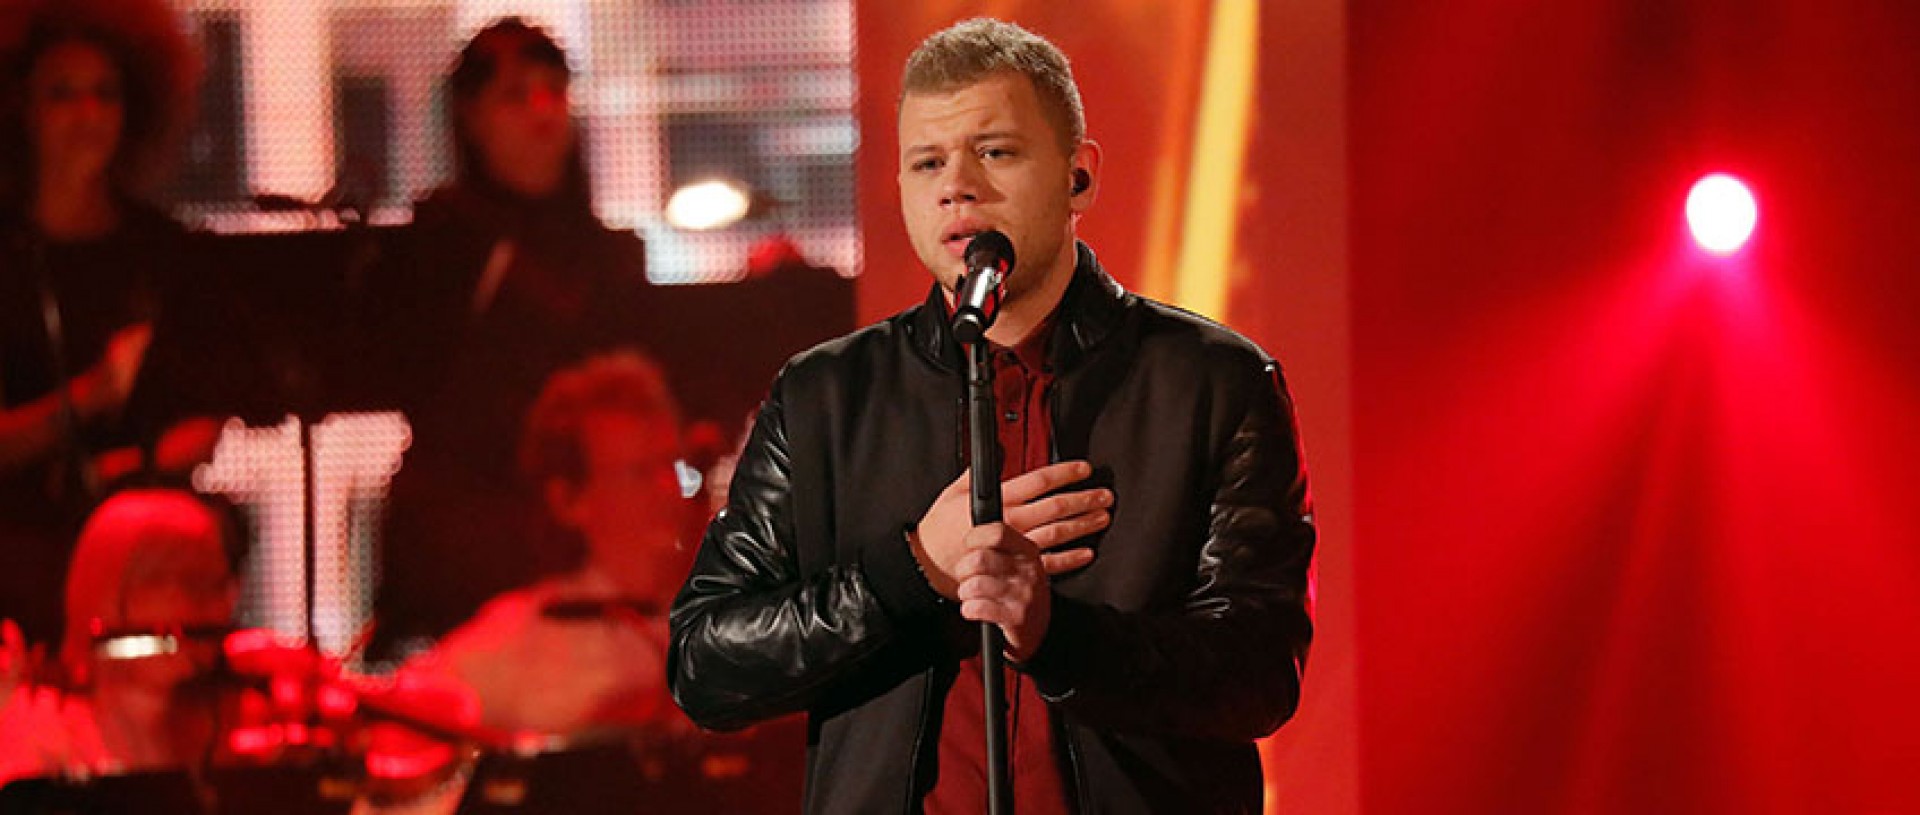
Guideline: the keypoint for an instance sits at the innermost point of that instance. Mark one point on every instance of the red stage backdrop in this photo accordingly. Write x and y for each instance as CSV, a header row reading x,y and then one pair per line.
x,y
1634,531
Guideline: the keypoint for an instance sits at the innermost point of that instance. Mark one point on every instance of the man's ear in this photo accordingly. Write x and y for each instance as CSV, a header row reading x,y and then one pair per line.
x,y
1083,178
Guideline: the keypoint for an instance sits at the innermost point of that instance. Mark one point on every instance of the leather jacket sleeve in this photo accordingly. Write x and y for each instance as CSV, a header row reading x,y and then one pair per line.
x,y
1228,664
752,636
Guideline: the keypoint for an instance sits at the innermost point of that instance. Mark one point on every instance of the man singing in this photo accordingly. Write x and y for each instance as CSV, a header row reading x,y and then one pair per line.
x,y
1151,573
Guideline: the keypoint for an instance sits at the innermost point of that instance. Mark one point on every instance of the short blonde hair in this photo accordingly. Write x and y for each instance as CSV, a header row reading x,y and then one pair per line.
x,y
972,50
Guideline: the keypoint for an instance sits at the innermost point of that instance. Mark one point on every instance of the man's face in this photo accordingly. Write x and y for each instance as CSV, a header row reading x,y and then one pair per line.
x,y
984,157
629,498
191,588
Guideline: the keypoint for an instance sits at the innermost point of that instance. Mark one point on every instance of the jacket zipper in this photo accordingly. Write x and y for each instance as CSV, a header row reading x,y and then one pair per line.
x,y
919,740
1064,733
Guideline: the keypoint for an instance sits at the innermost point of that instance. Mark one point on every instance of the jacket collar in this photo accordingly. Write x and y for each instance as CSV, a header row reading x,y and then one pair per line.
x,y
1089,310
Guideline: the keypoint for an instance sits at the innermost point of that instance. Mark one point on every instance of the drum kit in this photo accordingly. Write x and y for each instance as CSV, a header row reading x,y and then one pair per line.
x,y
299,735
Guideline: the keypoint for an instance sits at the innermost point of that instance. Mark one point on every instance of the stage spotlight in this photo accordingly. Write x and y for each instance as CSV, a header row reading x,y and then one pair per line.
x,y
1721,212
707,205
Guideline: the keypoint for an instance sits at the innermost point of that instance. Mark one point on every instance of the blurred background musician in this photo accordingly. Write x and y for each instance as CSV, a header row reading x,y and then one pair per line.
x,y
152,571
505,276
580,649
575,659
93,97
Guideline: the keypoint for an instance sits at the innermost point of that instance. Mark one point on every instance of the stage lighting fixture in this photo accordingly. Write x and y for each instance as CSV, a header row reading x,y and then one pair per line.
x,y
707,205
1721,213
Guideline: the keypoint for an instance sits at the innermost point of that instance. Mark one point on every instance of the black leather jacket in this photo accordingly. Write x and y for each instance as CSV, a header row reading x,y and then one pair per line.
x,y
1181,644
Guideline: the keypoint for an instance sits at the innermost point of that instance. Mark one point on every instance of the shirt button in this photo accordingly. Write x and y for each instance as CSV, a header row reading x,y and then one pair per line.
x,y
1013,416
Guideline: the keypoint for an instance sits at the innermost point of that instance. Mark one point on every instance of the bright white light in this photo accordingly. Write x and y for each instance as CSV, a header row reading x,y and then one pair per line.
x,y
706,205
140,646
1721,212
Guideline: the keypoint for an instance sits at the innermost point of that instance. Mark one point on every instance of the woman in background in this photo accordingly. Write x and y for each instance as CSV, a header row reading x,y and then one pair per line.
x,y
505,276
92,97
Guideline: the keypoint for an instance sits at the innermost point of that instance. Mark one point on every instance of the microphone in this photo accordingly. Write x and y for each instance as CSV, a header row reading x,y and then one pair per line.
x,y
989,259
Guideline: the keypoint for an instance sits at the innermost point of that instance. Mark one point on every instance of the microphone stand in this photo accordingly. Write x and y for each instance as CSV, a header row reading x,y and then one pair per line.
x,y
984,434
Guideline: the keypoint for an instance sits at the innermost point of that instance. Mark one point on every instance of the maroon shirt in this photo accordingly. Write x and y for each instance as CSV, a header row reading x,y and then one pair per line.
x,y
1020,384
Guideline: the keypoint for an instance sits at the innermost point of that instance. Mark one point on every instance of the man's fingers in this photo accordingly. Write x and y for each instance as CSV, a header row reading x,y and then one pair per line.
x,y
990,565
1069,530
1035,483
987,611
990,587
987,562
995,599
1017,599
1005,611
1027,517
991,553
1067,561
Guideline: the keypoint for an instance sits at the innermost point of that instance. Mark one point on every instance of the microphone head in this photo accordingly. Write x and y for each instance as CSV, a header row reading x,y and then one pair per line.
x,y
990,249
